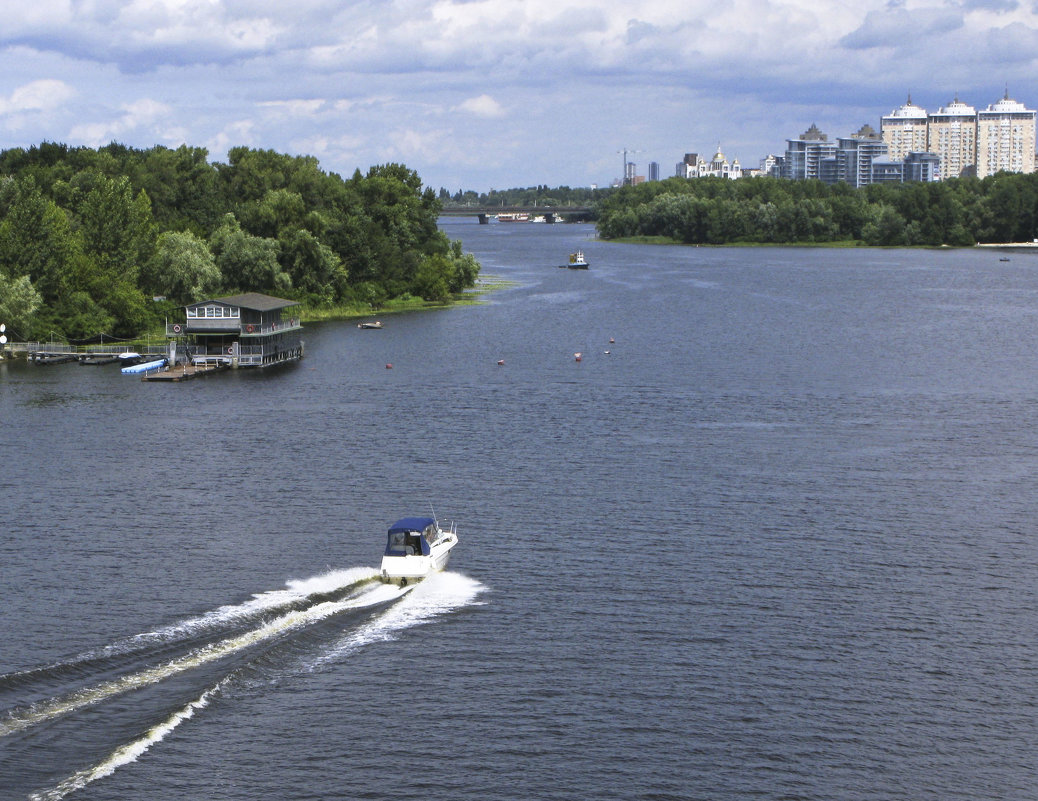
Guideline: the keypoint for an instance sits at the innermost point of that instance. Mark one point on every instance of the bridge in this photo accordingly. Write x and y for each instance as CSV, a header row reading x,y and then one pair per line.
x,y
517,214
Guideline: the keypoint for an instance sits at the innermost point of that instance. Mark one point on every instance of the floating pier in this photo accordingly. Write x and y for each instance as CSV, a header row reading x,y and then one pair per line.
x,y
184,372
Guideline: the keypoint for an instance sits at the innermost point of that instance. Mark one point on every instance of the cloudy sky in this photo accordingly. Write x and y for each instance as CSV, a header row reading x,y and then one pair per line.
x,y
481,94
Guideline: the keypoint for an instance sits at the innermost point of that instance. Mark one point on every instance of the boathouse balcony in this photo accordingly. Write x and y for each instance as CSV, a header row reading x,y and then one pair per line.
x,y
232,327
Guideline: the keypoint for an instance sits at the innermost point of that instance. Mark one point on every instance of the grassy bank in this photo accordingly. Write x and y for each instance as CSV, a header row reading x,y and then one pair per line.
x,y
407,303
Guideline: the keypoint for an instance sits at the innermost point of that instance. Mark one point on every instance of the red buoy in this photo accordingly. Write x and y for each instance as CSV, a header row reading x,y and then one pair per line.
x,y
389,367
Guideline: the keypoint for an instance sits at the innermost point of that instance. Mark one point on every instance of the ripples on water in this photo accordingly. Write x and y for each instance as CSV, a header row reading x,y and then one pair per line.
x,y
777,543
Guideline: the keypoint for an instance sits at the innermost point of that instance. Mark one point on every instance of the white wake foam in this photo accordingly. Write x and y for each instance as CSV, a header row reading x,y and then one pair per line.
x,y
131,751
436,595
37,713
294,590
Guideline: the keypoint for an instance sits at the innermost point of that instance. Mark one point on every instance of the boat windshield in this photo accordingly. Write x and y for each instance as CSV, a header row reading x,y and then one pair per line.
x,y
404,543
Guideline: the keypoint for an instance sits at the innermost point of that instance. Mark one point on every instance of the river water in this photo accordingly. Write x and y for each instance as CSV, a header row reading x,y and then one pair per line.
x,y
772,536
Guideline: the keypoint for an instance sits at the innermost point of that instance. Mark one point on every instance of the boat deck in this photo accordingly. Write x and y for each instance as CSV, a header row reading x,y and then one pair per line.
x,y
183,372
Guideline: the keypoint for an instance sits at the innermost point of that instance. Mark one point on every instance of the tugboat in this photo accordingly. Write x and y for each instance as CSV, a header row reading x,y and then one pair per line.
x,y
416,547
576,261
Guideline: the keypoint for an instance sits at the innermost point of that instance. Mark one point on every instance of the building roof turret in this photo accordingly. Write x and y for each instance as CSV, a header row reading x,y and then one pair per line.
x,y
812,134
908,112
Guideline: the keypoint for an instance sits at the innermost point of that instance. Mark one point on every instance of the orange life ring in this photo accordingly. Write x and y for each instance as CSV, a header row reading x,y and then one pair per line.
x,y
230,350
176,328
249,328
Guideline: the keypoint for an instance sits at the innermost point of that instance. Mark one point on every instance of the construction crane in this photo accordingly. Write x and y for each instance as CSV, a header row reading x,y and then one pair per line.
x,y
623,174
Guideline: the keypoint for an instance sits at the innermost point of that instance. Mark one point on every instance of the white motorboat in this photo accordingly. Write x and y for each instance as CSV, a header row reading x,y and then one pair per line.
x,y
416,547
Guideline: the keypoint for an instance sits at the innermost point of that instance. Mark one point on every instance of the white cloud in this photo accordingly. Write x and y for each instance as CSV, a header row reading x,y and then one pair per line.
x,y
427,82
138,117
482,106
41,95
294,108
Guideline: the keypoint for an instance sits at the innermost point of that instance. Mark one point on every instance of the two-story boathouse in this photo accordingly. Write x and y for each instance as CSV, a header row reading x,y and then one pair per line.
x,y
250,330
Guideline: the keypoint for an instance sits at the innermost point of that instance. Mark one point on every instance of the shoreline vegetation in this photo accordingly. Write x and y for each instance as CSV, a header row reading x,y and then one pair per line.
x,y
469,297
117,240
957,212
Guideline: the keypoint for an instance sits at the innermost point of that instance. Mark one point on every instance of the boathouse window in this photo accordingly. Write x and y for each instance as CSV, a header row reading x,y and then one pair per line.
x,y
213,311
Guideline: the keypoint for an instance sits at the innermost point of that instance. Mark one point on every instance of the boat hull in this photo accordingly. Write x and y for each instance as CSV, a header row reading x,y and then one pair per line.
x,y
404,570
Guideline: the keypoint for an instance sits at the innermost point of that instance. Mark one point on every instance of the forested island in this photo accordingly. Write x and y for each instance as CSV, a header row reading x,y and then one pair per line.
x,y
113,240
715,211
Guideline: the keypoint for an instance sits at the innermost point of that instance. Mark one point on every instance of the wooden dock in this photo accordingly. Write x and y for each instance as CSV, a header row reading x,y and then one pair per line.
x,y
184,372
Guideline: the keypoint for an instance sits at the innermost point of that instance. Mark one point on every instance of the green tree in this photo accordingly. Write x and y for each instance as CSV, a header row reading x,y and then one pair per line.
x,y
19,302
313,267
248,263
182,268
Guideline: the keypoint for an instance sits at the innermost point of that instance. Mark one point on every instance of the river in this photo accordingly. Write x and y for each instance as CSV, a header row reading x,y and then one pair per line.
x,y
771,536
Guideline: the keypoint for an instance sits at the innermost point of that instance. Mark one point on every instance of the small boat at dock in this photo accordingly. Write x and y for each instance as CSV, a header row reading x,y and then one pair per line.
x,y
416,547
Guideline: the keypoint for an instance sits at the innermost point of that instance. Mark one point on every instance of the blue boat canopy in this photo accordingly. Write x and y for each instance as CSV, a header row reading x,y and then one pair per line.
x,y
412,524
407,536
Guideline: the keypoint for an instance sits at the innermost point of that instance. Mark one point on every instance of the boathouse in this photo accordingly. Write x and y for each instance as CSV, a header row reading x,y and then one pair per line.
x,y
250,330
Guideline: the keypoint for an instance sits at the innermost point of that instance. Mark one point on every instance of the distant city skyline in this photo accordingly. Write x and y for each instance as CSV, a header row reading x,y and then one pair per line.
x,y
907,127
473,94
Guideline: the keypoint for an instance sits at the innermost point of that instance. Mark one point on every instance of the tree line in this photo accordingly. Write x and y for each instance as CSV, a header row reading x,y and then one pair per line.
x,y
716,211
90,237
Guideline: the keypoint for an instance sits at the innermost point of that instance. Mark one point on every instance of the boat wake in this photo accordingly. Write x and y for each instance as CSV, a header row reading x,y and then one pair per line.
x,y
321,620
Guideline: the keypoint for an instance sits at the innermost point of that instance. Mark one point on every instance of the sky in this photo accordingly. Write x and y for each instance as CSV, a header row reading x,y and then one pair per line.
x,y
495,94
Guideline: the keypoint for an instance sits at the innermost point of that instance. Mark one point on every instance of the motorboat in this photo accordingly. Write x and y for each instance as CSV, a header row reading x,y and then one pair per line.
x,y
129,357
416,547
374,324
576,261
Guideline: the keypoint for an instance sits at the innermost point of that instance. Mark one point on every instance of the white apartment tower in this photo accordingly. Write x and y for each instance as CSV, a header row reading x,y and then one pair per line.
x,y
953,138
904,131
1005,138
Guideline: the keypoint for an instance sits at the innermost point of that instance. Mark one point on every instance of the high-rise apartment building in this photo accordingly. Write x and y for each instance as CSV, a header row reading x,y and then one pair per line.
x,y
904,130
804,155
1005,138
924,167
855,154
952,134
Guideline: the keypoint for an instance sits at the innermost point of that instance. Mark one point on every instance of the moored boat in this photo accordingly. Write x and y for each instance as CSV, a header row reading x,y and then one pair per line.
x,y
374,324
416,547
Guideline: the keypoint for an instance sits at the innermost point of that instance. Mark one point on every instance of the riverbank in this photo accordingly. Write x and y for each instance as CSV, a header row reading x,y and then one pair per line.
x,y
484,285
666,240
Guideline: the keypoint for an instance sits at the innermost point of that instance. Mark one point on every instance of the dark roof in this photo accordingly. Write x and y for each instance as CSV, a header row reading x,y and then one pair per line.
x,y
256,301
